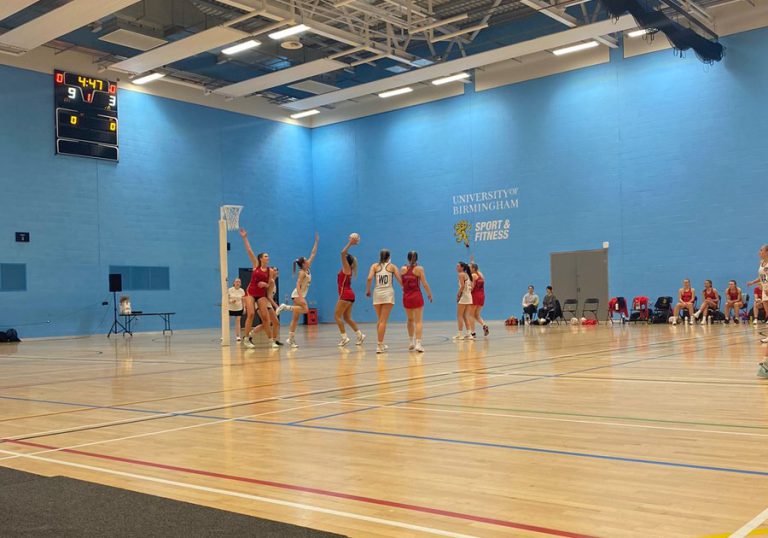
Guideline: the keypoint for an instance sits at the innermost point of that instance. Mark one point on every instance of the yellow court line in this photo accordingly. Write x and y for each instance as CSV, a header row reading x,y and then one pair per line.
x,y
758,532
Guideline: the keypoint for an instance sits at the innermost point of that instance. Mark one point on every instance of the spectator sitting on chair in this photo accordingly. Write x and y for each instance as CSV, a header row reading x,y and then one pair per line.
x,y
759,303
548,310
711,301
685,297
732,301
530,302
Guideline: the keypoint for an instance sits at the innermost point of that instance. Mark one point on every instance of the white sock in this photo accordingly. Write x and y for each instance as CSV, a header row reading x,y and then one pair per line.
x,y
291,335
358,332
343,336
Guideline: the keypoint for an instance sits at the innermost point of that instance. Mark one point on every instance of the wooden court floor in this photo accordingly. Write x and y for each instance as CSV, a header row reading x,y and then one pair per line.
x,y
636,431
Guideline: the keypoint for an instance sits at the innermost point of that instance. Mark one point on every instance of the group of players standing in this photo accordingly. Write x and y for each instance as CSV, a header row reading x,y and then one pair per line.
x,y
259,297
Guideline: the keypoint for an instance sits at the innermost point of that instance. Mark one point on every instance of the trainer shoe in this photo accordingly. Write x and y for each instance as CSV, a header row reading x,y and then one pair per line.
x,y
360,339
754,321
418,347
762,371
344,341
278,342
248,343
411,346
274,345
381,348
486,332
457,336
238,339
282,308
291,343
764,340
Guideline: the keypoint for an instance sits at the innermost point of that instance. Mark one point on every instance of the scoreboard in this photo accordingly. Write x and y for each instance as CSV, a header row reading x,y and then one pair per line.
x,y
86,116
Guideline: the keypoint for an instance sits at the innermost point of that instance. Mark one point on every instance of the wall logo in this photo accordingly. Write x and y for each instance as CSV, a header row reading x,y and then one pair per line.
x,y
485,201
460,230
487,230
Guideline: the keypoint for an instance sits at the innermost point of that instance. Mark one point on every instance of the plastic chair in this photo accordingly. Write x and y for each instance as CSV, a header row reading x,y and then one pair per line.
x,y
591,306
570,306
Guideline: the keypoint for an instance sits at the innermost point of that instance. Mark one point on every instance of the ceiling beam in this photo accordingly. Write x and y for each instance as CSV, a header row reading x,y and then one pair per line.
x,y
61,21
9,7
548,42
275,12
558,14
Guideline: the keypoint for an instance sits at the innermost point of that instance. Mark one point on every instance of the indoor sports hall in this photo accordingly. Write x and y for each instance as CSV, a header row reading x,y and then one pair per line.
x,y
376,268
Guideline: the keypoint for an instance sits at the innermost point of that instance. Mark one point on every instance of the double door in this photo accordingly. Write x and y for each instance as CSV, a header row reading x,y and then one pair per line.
x,y
580,275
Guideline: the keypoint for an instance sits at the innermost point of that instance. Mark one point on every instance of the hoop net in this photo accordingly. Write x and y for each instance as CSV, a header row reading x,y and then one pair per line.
x,y
231,214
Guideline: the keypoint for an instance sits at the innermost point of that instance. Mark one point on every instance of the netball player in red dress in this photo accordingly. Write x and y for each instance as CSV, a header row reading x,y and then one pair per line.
x,y
478,296
685,297
412,276
732,301
711,301
343,310
256,296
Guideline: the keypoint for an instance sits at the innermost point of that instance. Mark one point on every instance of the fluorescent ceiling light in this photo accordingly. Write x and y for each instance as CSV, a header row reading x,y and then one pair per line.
x,y
148,78
575,48
452,78
304,114
289,31
399,91
240,47
640,32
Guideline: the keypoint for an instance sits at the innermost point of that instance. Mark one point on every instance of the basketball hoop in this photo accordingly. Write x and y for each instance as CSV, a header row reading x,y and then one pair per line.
x,y
231,215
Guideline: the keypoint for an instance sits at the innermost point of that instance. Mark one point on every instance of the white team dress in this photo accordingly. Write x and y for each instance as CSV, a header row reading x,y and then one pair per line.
x,y
762,272
383,292
466,293
304,287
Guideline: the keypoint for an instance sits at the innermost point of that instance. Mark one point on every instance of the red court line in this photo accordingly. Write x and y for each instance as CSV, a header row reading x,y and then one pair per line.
x,y
317,491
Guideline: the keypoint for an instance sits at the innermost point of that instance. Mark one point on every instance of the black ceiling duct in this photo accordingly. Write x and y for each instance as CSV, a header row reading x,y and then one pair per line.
x,y
679,36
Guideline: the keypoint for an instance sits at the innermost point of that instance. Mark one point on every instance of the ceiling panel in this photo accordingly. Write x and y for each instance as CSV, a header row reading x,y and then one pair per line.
x,y
178,50
58,22
547,42
134,40
282,77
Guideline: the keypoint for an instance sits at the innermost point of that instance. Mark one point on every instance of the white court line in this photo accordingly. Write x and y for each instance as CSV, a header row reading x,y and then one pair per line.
x,y
751,525
528,417
257,498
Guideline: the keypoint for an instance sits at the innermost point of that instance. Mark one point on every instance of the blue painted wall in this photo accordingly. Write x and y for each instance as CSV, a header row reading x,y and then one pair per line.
x,y
157,207
663,157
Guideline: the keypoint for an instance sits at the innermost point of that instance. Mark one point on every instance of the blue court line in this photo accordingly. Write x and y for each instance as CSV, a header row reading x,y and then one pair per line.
x,y
530,449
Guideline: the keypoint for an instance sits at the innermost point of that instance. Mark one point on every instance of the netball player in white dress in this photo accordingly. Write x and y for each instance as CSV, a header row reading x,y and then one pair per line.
x,y
299,294
384,273
762,278
464,299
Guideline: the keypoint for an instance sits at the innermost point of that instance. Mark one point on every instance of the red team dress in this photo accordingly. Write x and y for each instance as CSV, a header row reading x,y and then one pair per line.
x,y
687,296
733,295
344,284
709,295
412,297
258,275
478,291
